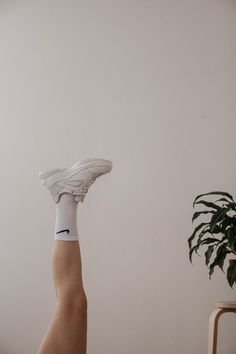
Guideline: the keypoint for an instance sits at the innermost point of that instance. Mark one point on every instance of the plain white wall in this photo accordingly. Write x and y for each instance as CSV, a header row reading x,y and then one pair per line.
x,y
152,86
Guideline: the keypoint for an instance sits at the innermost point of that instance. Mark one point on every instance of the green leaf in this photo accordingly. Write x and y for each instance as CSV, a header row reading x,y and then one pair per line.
x,y
216,230
222,200
233,246
231,274
199,243
210,240
231,236
195,232
191,252
232,206
227,221
202,233
208,254
219,259
207,241
209,204
198,213
224,238
217,217
213,193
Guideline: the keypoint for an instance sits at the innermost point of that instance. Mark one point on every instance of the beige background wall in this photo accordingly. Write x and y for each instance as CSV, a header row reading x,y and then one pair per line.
x,y
150,85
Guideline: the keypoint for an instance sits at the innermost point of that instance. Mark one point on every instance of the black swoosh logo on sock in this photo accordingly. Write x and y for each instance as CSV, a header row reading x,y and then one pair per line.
x,y
66,230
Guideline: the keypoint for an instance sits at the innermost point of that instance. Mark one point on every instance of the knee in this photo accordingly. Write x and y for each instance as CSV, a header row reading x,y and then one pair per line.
x,y
79,303
75,304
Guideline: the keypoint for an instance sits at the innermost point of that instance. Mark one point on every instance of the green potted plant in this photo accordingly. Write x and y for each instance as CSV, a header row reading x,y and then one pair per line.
x,y
216,232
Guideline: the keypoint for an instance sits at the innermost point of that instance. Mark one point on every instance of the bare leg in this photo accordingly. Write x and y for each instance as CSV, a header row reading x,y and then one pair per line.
x,y
67,332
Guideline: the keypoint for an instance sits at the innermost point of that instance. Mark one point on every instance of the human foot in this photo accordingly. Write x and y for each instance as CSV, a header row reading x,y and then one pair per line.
x,y
76,179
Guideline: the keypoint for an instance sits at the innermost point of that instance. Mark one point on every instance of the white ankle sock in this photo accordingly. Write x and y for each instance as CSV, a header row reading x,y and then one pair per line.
x,y
66,219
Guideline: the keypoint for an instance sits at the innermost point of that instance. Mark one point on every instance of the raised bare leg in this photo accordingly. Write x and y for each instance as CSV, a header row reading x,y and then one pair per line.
x,y
67,332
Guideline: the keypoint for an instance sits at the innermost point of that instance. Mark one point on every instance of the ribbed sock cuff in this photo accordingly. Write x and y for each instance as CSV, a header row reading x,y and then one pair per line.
x,y
66,237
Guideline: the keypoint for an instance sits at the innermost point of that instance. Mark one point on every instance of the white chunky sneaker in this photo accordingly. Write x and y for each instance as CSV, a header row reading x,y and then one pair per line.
x,y
76,179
